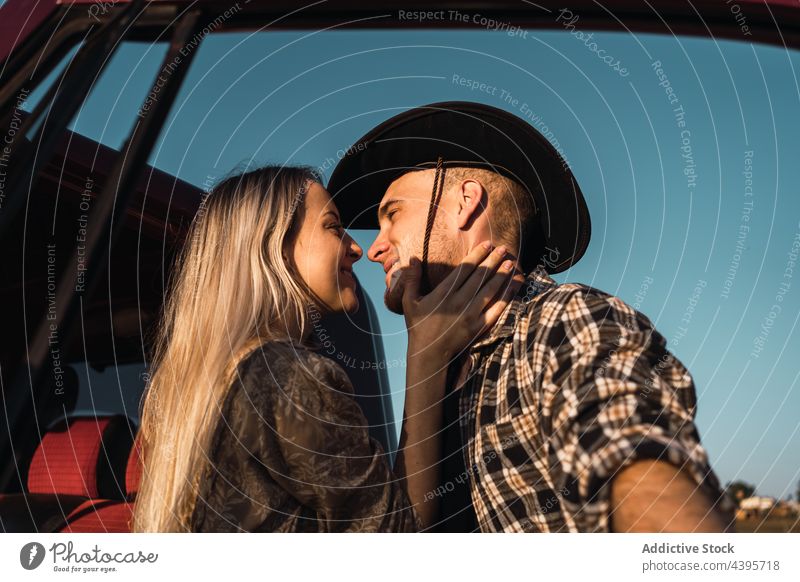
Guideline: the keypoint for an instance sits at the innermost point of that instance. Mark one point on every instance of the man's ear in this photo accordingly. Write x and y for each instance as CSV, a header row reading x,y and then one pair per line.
x,y
471,199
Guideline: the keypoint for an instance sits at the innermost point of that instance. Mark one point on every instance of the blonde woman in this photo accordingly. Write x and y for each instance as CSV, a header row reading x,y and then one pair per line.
x,y
244,426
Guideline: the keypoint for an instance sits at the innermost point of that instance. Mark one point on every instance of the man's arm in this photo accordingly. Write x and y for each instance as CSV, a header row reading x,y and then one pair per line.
x,y
622,417
655,496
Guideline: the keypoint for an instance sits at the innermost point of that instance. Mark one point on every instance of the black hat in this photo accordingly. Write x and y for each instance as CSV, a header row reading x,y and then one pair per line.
x,y
469,134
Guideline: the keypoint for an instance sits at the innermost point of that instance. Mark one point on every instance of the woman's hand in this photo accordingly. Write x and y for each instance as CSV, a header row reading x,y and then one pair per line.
x,y
440,325
462,307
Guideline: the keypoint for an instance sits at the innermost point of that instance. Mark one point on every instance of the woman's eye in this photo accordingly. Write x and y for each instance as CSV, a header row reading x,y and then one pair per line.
x,y
391,213
339,228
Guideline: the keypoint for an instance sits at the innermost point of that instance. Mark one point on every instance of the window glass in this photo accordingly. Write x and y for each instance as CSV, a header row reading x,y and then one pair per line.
x,y
59,220
112,390
110,110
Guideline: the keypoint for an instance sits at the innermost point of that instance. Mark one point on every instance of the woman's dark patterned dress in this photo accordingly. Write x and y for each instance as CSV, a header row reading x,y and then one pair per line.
x,y
292,453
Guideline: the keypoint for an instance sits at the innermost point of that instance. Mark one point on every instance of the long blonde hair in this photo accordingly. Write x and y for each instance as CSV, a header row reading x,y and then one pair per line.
x,y
231,291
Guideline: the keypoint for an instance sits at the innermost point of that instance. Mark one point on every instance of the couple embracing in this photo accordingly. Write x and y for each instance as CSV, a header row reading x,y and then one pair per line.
x,y
530,406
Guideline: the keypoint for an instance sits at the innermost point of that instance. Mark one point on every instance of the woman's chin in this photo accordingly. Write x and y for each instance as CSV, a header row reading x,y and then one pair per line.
x,y
347,302
351,306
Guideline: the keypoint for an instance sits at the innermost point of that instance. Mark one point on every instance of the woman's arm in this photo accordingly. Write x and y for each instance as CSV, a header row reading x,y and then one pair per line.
x,y
440,326
420,449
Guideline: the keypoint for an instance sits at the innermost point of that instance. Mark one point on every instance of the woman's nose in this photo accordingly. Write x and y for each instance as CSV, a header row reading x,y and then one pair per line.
x,y
355,250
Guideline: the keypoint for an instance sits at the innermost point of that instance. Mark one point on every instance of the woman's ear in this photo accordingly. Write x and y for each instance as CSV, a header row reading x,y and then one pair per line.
x,y
470,201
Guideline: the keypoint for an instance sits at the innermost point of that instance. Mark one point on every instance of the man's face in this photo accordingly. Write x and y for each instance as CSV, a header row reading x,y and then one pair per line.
x,y
402,215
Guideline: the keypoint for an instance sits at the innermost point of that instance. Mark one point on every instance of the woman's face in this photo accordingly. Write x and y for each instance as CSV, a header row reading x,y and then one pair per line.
x,y
324,253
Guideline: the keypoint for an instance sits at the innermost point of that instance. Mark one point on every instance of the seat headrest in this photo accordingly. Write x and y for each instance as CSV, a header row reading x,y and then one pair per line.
x,y
83,456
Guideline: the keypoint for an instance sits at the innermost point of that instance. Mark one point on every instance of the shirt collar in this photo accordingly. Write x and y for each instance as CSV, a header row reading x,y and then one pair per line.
x,y
536,282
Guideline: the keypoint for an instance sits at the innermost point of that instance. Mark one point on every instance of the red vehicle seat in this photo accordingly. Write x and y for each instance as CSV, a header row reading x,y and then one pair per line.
x,y
100,516
83,456
109,516
78,470
134,472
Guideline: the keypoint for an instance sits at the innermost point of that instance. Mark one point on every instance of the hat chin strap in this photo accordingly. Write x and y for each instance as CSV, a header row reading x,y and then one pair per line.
x,y
438,184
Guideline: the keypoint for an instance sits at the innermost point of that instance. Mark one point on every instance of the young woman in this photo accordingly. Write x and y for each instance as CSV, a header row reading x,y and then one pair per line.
x,y
244,426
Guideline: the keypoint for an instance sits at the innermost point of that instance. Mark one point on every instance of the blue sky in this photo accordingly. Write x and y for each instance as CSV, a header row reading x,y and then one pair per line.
x,y
680,231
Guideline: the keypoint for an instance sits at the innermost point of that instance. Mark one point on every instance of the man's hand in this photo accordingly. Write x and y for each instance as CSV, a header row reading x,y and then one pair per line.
x,y
656,496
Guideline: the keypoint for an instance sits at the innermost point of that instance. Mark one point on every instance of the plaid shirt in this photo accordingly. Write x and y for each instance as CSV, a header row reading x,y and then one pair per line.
x,y
571,385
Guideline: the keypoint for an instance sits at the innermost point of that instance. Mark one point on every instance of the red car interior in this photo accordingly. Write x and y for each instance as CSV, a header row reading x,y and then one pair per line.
x,y
83,478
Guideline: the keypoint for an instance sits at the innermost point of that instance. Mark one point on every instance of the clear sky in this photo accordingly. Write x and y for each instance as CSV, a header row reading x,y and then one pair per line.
x,y
690,170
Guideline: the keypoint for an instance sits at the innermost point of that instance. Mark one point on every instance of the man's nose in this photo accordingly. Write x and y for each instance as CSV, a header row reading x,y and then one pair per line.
x,y
377,249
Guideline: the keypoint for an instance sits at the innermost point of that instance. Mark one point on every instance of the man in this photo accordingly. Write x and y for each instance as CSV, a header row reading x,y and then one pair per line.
x,y
570,414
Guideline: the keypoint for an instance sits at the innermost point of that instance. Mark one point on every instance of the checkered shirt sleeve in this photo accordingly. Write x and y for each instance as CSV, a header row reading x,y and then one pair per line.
x,y
612,394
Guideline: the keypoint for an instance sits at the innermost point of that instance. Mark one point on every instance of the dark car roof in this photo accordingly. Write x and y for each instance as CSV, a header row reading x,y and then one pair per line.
x,y
769,21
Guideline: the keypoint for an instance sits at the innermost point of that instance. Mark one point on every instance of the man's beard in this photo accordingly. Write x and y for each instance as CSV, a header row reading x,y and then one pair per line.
x,y
442,258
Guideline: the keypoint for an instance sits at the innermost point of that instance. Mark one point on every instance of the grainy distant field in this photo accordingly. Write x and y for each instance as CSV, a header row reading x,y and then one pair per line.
x,y
769,525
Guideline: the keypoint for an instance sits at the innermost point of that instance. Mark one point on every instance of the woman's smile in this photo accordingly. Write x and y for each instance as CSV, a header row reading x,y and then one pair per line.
x,y
347,276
